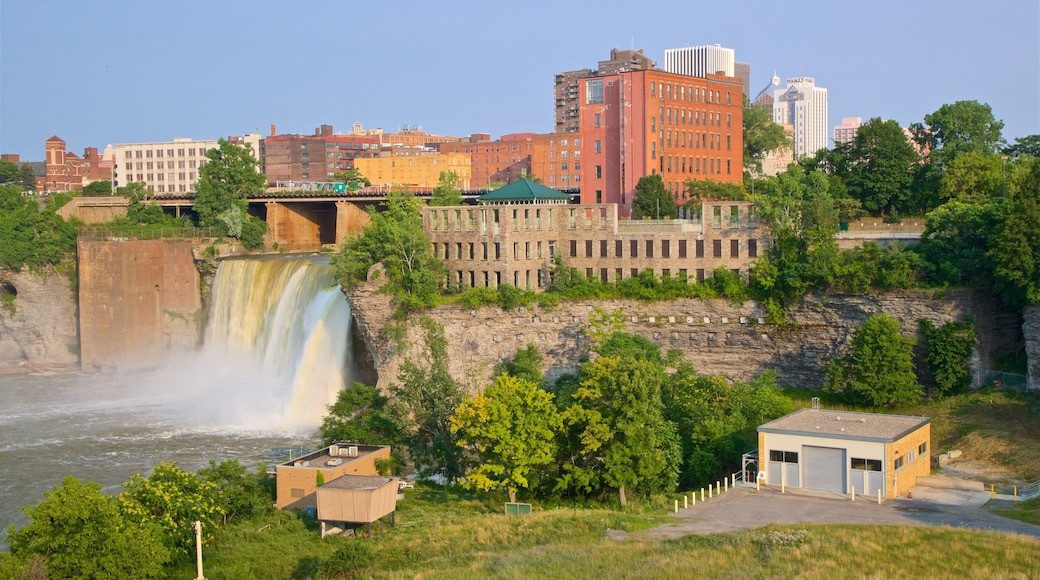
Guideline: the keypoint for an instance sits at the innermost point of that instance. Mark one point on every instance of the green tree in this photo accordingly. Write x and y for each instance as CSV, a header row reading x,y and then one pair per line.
x,y
395,237
761,136
526,364
622,435
1028,146
973,177
27,177
709,189
878,368
29,236
173,498
881,167
959,240
240,492
447,190
139,212
8,172
958,128
424,398
652,200
1016,249
353,178
227,180
949,348
81,533
360,413
511,430
95,188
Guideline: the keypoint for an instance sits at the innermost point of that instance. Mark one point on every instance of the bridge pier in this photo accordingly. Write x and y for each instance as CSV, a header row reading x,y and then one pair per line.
x,y
350,220
293,227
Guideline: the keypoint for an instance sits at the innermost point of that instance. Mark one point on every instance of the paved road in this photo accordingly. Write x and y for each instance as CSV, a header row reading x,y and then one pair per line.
x,y
744,508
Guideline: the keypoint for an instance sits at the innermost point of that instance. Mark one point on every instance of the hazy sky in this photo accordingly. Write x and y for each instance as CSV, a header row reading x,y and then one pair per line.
x,y
97,73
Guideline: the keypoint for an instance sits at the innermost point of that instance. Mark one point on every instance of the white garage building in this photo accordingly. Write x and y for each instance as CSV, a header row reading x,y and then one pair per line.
x,y
841,451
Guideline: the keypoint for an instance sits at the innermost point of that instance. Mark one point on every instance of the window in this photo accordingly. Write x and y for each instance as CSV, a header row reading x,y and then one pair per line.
x,y
752,248
716,248
574,248
700,249
783,456
618,248
599,196
593,92
603,248
666,248
599,146
296,492
682,248
866,464
923,448
588,248
899,462
634,253
734,248
649,248
599,172
598,120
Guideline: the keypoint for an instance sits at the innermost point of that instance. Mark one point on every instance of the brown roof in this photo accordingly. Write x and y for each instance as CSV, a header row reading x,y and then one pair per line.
x,y
845,424
54,138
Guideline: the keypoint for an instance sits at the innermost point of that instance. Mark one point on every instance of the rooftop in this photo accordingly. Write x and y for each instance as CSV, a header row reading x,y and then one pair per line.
x,y
845,424
343,452
358,482
523,190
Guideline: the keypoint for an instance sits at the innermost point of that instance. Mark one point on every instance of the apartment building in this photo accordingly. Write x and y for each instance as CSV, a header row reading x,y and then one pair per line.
x,y
168,167
317,157
556,160
645,122
501,161
567,85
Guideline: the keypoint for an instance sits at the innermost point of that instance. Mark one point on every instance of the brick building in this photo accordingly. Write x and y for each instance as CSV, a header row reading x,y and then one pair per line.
x,y
556,159
316,157
501,161
66,171
639,123
418,170
512,242
567,85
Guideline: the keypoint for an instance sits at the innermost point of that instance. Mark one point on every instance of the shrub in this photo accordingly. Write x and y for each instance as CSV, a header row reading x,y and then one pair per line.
x,y
349,559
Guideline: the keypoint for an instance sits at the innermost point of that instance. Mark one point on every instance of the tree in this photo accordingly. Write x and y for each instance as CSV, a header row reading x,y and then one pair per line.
x,y
360,413
138,212
878,368
394,237
172,498
959,239
973,177
81,533
240,493
101,187
761,136
424,400
226,182
1028,146
447,190
511,429
881,166
8,172
652,200
709,189
27,177
949,348
623,438
525,364
961,127
1016,249
28,236
353,178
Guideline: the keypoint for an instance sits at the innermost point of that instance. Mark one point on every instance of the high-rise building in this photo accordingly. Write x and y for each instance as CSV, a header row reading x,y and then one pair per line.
x,y
640,123
846,132
803,105
698,61
164,168
567,84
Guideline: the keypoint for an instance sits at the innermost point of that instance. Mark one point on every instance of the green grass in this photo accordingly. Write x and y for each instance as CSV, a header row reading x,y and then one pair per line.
x,y
1025,511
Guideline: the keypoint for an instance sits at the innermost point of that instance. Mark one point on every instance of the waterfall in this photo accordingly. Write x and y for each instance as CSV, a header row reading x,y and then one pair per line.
x,y
279,338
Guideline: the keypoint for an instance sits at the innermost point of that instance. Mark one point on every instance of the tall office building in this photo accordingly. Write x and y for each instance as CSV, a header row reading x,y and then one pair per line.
x,y
803,105
567,84
698,61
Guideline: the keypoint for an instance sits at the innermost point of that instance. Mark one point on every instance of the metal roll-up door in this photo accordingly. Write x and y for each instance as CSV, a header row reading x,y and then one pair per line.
x,y
877,481
774,472
868,482
824,468
792,474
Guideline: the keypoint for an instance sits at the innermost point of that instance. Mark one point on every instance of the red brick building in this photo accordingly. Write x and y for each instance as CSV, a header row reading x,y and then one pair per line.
x,y
66,171
501,161
644,122
556,160
315,157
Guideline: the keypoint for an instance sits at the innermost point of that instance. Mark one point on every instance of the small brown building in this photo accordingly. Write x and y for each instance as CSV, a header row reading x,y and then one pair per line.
x,y
297,479
356,499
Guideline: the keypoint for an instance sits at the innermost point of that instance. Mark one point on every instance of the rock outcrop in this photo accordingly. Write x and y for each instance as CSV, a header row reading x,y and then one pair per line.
x,y
1031,332
717,336
38,330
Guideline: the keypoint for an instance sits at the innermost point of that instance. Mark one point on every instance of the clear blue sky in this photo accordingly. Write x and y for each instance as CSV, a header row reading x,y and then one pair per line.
x,y
96,73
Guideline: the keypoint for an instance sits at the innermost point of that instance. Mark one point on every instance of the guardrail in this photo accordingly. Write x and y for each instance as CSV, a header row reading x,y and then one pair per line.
x,y
1030,491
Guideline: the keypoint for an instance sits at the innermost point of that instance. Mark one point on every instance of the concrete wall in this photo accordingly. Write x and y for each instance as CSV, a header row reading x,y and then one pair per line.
x,y
137,300
94,210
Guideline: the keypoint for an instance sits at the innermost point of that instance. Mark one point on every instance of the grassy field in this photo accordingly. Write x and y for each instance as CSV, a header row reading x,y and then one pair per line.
x,y
447,534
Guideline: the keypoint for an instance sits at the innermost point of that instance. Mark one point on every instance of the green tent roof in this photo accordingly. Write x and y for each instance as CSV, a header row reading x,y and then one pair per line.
x,y
523,190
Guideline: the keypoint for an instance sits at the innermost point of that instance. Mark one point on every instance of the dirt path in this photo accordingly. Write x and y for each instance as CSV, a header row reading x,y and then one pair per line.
x,y
743,508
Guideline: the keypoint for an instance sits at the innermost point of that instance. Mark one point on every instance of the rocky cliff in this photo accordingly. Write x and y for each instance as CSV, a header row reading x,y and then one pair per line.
x,y
716,336
38,330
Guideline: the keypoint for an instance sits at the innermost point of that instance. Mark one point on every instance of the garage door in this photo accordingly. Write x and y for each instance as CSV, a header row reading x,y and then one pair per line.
x,y
824,468
867,482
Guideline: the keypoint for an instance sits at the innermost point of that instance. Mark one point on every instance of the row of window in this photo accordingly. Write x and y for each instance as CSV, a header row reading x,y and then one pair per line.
x,y
552,155
670,116
911,455
159,153
694,140
525,278
688,93
148,177
162,164
662,246
694,165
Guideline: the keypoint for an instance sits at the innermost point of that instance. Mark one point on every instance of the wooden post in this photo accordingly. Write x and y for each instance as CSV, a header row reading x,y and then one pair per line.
x,y
198,550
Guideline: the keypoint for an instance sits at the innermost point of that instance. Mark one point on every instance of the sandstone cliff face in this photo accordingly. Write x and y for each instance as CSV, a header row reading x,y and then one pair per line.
x,y
38,329
716,336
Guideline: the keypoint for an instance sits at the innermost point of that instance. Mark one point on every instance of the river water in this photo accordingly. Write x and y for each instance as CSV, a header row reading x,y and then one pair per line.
x,y
277,351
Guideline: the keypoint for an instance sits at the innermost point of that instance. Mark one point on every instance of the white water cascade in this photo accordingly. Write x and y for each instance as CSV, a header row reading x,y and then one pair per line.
x,y
279,335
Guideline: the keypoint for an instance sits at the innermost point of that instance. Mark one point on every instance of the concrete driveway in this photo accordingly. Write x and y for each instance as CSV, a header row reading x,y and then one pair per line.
x,y
744,508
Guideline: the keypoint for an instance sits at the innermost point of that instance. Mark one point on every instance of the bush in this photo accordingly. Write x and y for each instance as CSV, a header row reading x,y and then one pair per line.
x,y
349,559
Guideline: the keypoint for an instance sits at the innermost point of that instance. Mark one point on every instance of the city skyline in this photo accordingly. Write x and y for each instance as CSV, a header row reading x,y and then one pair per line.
x,y
123,73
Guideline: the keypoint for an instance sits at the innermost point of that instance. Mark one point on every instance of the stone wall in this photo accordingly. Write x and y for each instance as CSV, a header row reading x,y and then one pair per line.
x,y
138,300
716,336
37,321
1031,330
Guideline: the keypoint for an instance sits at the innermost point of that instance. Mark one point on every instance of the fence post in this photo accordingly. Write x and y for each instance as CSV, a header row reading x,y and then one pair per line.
x,y
685,502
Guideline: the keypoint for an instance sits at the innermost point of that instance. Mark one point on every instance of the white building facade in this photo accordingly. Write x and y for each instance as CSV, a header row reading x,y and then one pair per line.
x,y
164,168
699,61
803,105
